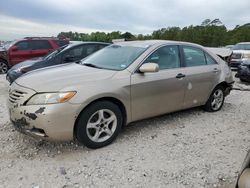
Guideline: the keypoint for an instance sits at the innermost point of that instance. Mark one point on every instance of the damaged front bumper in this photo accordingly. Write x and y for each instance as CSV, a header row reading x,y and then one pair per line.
x,y
52,122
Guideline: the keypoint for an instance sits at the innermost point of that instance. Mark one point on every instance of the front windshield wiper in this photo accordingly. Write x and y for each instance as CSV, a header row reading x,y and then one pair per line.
x,y
91,65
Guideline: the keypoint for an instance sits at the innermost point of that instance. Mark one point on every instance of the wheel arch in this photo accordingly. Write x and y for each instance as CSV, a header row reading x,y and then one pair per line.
x,y
2,59
224,84
114,100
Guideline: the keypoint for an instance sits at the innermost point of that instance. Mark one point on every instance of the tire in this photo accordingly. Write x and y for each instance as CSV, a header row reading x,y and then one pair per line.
x,y
3,67
215,104
99,124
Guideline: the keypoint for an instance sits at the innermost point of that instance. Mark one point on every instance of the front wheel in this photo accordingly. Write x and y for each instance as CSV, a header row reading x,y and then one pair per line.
x,y
3,67
99,124
216,100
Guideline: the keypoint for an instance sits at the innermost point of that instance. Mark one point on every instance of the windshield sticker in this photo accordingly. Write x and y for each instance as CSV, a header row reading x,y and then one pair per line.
x,y
123,66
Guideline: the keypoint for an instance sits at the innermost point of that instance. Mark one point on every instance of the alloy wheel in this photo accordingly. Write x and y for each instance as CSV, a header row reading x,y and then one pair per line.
x,y
101,125
3,68
217,101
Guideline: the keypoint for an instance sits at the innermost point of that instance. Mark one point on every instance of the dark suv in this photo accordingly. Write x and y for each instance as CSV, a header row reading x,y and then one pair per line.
x,y
27,48
73,52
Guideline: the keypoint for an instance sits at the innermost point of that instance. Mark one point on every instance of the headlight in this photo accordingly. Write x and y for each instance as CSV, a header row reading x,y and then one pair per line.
x,y
51,98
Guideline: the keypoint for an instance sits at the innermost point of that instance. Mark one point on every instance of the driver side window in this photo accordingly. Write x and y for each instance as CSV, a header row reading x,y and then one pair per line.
x,y
74,54
166,57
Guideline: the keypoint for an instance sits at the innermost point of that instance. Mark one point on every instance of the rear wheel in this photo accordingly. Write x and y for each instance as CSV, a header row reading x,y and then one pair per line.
x,y
216,100
99,124
3,67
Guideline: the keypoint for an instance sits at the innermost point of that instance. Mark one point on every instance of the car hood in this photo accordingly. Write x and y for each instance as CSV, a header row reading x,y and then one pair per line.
x,y
61,77
27,63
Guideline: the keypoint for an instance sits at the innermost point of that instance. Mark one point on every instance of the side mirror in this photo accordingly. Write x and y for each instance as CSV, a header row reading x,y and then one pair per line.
x,y
14,48
149,67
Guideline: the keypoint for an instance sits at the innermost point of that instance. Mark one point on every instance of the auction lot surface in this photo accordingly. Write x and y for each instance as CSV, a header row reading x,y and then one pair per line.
x,y
191,148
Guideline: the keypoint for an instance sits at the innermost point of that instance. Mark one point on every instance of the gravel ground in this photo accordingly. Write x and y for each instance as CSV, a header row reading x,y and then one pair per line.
x,y
191,148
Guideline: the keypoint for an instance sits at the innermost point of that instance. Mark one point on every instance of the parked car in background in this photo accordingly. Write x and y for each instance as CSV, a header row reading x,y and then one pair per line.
x,y
241,52
27,48
223,53
243,72
122,83
67,54
229,47
244,177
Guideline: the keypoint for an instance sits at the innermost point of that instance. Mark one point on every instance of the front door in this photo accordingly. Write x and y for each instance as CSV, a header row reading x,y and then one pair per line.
x,y
19,52
161,92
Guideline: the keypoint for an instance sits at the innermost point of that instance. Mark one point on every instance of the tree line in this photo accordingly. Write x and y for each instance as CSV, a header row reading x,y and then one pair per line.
x,y
211,33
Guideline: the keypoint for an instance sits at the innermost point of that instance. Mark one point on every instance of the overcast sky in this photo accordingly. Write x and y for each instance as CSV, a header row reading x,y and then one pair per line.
x,y
19,18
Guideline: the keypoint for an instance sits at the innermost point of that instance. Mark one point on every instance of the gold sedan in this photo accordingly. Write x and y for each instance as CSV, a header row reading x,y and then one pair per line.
x,y
122,83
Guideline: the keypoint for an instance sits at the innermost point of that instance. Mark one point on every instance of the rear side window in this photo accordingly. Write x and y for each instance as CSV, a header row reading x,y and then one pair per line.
x,y
23,45
41,45
193,56
210,60
166,57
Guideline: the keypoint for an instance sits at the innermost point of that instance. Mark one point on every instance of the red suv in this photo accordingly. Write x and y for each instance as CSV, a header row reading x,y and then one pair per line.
x,y
27,48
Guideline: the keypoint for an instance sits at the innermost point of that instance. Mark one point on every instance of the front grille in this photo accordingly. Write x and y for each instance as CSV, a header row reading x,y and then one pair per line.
x,y
236,56
16,95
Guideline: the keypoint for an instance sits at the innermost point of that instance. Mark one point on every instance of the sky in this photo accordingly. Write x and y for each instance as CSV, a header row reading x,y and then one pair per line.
x,y
20,18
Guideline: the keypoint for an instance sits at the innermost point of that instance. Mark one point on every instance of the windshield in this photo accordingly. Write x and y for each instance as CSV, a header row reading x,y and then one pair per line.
x,y
7,45
54,53
114,57
241,47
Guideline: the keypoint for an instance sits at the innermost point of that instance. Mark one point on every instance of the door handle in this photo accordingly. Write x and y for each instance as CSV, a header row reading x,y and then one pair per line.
x,y
180,75
215,70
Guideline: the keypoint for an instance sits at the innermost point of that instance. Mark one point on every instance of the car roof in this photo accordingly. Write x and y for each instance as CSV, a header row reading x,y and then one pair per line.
x,y
78,43
148,43
243,43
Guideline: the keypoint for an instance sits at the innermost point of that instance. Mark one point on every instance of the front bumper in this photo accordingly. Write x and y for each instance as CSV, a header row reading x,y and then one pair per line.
x,y
235,64
52,121
243,73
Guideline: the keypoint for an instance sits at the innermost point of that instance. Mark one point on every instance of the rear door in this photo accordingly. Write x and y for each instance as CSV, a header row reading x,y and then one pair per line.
x,y
202,74
40,48
20,52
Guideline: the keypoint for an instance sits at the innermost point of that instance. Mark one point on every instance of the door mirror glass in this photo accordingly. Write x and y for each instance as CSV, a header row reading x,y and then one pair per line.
x,y
149,67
